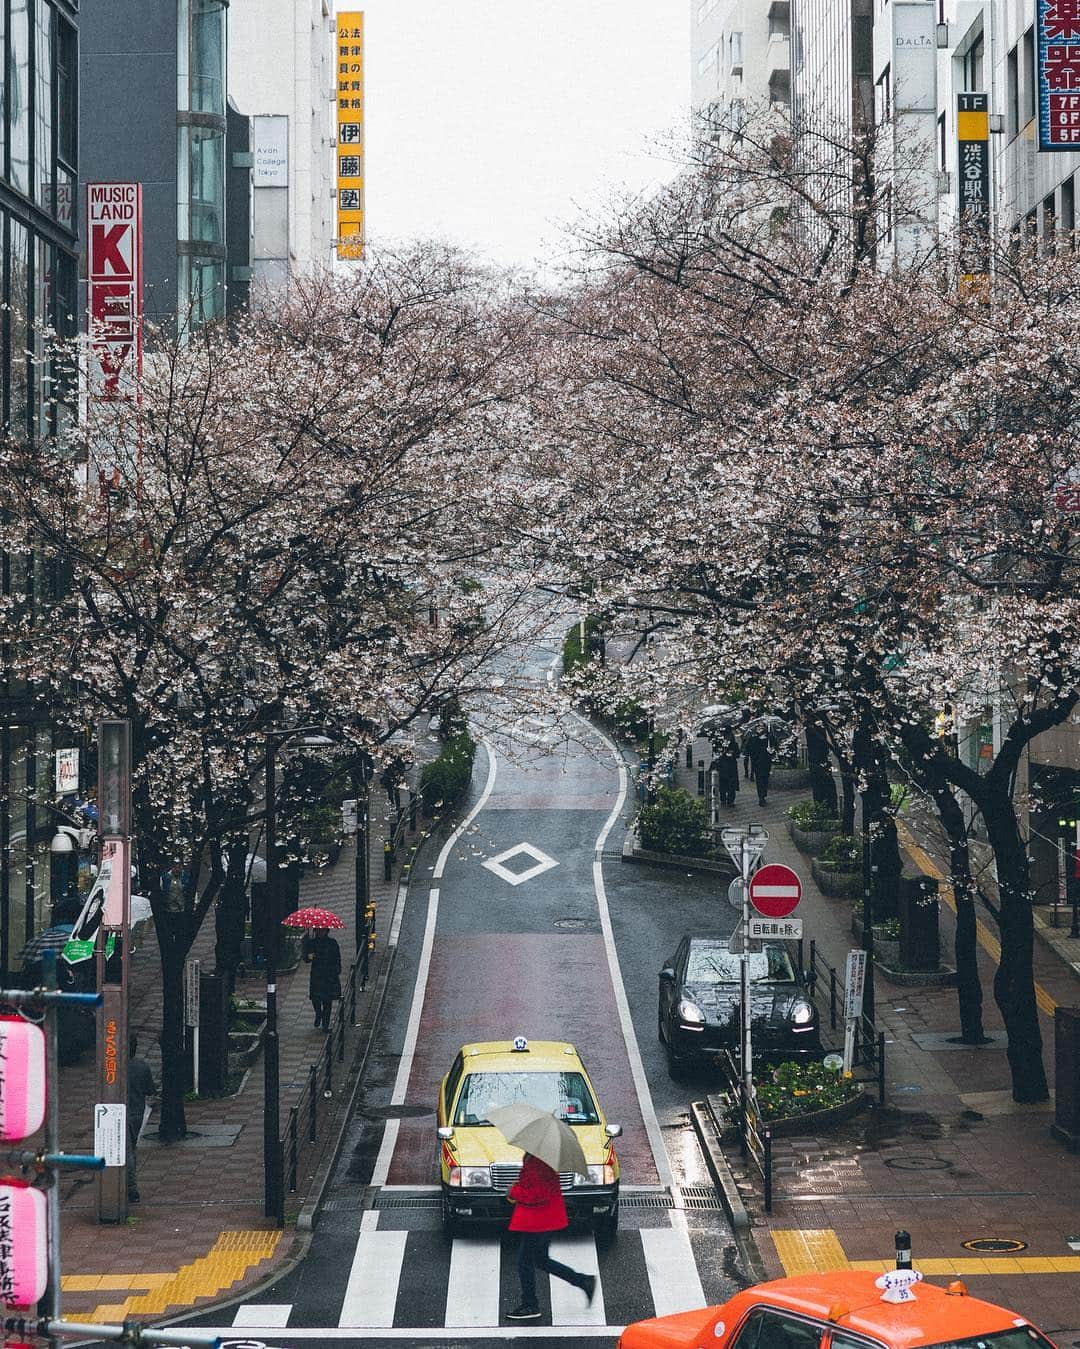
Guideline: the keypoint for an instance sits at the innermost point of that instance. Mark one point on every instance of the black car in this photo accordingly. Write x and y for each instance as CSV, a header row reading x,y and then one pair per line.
x,y
700,995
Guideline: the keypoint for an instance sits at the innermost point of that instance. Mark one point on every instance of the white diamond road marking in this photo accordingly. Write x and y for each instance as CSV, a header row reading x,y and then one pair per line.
x,y
542,860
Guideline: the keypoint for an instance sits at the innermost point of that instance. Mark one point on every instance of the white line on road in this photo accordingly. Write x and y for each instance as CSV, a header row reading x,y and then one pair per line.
x,y
472,1295
568,1305
637,1068
263,1314
371,1293
673,1275
412,1030
225,1334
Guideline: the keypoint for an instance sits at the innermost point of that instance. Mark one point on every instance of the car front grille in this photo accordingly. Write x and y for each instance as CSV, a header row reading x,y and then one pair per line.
x,y
503,1177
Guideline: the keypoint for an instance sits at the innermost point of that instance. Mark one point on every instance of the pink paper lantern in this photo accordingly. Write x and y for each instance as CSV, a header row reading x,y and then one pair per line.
x,y
22,1078
24,1244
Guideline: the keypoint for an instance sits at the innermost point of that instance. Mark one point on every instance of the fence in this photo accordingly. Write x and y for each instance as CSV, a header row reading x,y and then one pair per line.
x,y
311,1111
826,987
755,1136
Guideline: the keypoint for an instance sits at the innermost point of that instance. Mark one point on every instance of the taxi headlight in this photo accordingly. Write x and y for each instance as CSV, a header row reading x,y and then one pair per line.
x,y
598,1175
802,1014
690,1012
470,1177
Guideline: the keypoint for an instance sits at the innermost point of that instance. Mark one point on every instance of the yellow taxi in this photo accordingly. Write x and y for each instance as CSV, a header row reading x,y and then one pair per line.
x,y
478,1166
847,1309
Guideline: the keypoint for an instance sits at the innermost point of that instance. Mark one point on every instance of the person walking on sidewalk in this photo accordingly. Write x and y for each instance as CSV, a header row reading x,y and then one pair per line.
x,y
539,1210
757,749
727,770
324,985
141,1088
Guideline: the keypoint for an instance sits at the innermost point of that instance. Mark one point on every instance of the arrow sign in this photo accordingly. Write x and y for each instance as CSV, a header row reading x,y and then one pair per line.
x,y
775,891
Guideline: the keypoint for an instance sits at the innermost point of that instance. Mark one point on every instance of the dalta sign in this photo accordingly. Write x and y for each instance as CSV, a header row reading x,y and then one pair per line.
x,y
114,290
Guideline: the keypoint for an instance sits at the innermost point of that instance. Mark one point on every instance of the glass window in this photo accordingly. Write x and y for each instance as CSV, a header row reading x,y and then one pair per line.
x,y
17,870
201,185
201,290
566,1095
1012,93
19,301
43,105
772,1330
19,94
713,963
1029,74
201,56
41,336
1024,1337
67,94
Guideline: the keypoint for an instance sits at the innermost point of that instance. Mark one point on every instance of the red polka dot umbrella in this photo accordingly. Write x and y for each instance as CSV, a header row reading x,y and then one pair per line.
x,y
312,917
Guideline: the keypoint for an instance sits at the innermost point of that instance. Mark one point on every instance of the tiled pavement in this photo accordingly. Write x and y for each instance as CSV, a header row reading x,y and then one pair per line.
x,y
199,1232
949,1157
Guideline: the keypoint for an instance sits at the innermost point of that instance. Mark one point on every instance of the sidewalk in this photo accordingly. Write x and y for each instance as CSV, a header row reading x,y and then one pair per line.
x,y
950,1157
198,1233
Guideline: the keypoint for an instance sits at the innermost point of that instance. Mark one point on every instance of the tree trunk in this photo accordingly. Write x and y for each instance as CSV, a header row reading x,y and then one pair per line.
x,y
174,944
1014,983
821,778
966,951
847,799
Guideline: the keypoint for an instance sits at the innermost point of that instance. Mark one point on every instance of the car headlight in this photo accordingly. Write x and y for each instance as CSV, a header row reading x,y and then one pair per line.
x,y
690,1012
470,1177
802,1014
598,1175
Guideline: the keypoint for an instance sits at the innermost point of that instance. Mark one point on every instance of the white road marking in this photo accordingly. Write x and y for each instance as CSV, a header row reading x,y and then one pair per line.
x,y
412,1030
369,1220
542,860
637,1068
568,1306
472,1295
371,1293
673,1275
263,1314
271,1333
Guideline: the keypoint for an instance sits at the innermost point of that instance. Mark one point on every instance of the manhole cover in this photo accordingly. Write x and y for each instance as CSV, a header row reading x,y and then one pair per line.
x,y
994,1244
918,1164
396,1111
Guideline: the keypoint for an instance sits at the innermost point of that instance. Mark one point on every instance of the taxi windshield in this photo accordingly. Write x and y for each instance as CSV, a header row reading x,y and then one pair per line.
x,y
713,963
1023,1337
565,1095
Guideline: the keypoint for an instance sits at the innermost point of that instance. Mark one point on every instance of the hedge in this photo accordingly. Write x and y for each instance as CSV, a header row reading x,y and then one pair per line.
x,y
446,778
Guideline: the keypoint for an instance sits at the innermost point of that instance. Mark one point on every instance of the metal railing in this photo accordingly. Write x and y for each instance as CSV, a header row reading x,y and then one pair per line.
x,y
755,1136
826,987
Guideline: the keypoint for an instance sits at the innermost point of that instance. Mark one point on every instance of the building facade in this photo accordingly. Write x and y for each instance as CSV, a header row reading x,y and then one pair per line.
x,y
288,100
153,98
39,170
740,57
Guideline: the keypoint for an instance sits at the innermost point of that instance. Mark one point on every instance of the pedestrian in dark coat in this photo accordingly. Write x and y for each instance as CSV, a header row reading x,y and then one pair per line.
x,y
325,982
726,764
141,1088
539,1210
758,750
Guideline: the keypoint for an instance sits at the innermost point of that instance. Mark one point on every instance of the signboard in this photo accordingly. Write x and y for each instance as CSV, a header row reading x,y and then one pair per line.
x,y
192,990
775,891
973,181
1067,497
779,929
1057,82
114,289
349,63
732,839
915,57
349,817
115,856
854,983
67,772
270,151
110,1133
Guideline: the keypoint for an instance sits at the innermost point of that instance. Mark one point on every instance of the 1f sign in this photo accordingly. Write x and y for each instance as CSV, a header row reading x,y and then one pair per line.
x,y
114,289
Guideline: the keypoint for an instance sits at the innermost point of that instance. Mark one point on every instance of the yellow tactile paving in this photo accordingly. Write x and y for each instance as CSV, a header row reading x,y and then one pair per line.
x,y
987,940
816,1250
227,1261
806,1251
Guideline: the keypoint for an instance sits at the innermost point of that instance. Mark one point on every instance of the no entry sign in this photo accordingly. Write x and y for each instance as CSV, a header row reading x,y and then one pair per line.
x,y
775,891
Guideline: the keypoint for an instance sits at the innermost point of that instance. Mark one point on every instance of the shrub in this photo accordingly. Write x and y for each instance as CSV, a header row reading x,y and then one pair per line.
x,y
445,778
843,852
801,1089
676,823
574,654
811,815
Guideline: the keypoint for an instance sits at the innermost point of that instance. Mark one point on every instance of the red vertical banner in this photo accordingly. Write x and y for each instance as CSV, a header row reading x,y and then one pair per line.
x,y
114,289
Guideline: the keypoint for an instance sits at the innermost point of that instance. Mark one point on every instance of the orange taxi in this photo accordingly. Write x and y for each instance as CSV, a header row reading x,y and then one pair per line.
x,y
842,1310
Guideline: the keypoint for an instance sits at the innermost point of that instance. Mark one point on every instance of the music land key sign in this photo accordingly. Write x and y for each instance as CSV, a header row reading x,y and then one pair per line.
x,y
775,891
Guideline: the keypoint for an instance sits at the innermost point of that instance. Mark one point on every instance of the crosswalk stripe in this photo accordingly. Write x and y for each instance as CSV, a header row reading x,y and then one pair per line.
x,y
371,1293
274,1314
673,1275
567,1302
472,1295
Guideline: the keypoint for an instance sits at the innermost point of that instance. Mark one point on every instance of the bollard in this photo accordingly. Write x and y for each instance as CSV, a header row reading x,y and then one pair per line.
x,y
903,1250
767,1170
387,859
313,1093
881,1067
832,997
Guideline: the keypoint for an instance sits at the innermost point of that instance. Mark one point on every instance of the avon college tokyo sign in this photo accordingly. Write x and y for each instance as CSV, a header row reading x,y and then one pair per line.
x,y
1058,83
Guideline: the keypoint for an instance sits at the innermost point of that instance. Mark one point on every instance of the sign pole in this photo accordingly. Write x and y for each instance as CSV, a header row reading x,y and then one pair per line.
x,y
747,1039
114,806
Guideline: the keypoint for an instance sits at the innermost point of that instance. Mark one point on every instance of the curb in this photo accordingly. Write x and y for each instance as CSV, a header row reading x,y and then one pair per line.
x,y
738,1216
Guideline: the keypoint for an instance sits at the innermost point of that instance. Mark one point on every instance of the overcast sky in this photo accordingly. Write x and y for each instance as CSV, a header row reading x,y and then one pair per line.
x,y
490,121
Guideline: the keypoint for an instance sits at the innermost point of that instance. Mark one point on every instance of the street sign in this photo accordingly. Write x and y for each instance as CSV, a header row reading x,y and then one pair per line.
x,y
779,929
735,893
854,983
775,891
192,991
732,839
110,1133
349,816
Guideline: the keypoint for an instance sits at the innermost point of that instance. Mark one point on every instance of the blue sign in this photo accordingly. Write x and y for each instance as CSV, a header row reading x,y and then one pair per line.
x,y
1057,24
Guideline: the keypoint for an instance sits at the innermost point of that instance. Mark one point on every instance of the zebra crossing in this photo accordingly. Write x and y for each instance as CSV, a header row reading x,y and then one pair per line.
x,y
401,1278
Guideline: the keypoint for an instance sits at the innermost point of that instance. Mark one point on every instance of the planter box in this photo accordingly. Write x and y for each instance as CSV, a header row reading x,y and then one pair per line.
x,y
789,779
633,852
836,884
811,841
817,1120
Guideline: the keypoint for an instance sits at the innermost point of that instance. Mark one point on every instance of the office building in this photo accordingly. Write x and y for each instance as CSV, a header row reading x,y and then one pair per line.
x,y
740,57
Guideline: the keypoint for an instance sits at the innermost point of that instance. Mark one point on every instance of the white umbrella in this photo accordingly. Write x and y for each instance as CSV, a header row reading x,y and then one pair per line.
x,y
538,1131
140,909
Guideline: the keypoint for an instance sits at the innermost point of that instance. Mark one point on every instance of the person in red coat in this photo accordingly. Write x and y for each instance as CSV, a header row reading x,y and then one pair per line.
x,y
539,1210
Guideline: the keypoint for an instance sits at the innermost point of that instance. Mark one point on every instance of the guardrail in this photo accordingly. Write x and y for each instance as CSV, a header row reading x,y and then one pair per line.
x,y
310,1111
755,1136
826,987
